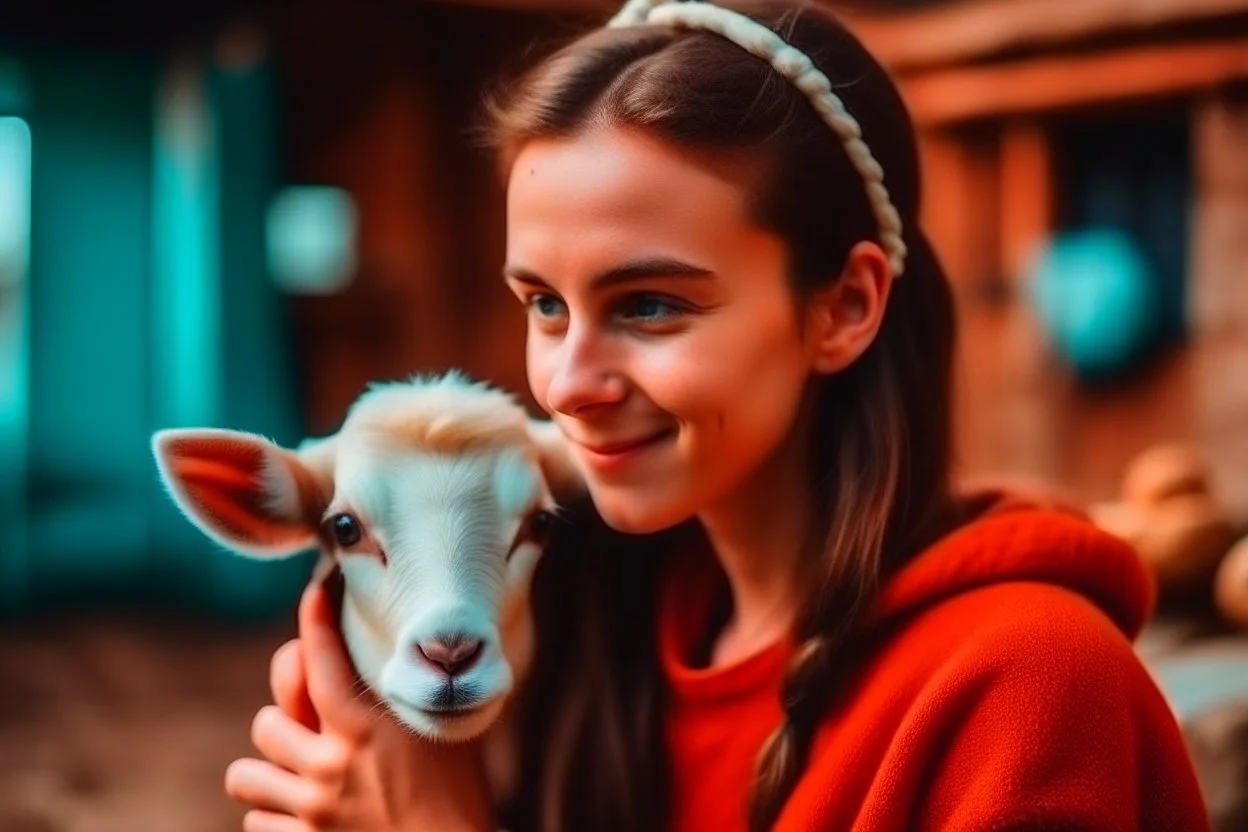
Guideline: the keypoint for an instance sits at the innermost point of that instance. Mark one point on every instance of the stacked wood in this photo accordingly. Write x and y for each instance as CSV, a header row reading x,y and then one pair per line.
x,y
1168,512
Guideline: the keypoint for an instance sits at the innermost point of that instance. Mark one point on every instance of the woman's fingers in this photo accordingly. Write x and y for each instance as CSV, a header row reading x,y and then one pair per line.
x,y
262,785
260,821
295,747
288,680
332,680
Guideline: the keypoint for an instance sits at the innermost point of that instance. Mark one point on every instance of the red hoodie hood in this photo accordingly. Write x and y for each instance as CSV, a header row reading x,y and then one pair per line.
x,y
1040,720
1037,545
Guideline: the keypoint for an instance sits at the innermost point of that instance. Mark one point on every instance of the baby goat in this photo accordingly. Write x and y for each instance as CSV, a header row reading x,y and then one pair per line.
x,y
434,499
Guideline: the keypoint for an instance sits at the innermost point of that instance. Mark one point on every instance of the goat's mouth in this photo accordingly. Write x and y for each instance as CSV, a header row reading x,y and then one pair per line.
x,y
447,707
452,714
448,724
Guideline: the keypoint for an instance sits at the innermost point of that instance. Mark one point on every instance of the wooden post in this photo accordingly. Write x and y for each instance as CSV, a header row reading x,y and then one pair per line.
x,y
1219,293
988,202
1027,187
1034,399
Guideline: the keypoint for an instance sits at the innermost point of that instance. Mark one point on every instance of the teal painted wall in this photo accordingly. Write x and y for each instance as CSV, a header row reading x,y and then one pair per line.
x,y
15,164
256,357
90,213
148,306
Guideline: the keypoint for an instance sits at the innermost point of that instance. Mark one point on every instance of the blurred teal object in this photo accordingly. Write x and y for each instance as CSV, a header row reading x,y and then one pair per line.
x,y
15,161
88,532
1097,300
13,87
14,200
147,304
232,366
311,239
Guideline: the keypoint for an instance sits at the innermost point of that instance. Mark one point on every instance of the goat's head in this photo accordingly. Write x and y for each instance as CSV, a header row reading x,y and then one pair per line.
x,y
433,499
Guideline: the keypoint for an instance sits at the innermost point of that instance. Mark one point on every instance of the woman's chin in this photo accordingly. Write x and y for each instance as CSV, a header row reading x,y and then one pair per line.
x,y
628,515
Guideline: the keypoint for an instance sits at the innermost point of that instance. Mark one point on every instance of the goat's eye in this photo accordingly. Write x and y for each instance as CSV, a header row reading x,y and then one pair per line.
x,y
535,529
346,530
539,526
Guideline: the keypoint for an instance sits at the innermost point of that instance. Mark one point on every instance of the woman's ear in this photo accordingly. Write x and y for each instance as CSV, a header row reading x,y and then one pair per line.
x,y
843,319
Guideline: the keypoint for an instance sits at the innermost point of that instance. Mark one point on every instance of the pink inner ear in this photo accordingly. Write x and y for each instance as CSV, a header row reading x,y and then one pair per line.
x,y
224,481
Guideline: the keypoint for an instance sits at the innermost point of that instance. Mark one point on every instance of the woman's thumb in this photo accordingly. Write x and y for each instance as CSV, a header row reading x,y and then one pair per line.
x,y
288,679
333,684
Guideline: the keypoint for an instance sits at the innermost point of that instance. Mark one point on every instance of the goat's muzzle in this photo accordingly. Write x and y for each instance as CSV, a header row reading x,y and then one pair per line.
x,y
450,655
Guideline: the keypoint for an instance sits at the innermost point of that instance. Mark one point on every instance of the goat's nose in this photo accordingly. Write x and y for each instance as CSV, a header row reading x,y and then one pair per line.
x,y
451,654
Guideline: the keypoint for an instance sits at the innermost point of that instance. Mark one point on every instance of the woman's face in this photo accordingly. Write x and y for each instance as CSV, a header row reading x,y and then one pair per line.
x,y
663,336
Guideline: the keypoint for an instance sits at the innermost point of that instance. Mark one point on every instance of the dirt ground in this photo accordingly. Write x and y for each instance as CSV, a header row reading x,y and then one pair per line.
x,y
125,726
111,725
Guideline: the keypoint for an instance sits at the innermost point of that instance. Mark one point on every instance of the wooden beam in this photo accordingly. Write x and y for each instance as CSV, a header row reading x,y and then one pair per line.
x,y
589,8
976,29
1046,84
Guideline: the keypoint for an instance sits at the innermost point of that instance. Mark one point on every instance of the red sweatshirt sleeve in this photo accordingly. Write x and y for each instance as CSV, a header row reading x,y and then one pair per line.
x,y
1056,726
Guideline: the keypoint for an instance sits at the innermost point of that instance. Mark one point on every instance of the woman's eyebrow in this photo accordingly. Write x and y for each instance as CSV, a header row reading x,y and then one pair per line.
x,y
649,267
519,275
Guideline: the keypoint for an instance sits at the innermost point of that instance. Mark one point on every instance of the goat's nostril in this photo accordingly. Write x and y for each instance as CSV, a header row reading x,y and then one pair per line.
x,y
451,655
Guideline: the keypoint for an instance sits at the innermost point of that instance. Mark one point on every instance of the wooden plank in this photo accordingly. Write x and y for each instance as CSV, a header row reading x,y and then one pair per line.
x,y
977,29
1045,84
1218,294
1026,202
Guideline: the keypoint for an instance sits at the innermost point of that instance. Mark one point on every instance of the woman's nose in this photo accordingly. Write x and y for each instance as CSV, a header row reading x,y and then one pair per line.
x,y
583,375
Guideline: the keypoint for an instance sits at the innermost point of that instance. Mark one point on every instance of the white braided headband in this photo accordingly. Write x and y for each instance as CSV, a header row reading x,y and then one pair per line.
x,y
801,71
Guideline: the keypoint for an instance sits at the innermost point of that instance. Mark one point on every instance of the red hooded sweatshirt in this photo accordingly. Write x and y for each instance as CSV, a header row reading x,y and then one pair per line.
x,y
1003,694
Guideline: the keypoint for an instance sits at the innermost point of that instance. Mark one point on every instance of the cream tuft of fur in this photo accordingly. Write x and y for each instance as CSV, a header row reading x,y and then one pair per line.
x,y
441,414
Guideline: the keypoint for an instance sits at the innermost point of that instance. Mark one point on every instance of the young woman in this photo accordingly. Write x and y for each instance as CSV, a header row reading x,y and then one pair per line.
x,y
736,320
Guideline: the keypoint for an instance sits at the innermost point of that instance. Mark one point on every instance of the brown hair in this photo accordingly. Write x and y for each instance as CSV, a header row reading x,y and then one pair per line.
x,y
592,755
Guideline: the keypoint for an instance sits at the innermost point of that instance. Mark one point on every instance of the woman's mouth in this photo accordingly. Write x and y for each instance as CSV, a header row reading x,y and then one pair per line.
x,y
612,455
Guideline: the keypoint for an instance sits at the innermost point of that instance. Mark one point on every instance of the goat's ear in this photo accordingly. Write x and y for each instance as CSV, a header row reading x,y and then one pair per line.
x,y
245,492
563,476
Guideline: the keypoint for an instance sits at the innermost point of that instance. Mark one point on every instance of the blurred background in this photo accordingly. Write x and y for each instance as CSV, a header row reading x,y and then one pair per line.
x,y
238,213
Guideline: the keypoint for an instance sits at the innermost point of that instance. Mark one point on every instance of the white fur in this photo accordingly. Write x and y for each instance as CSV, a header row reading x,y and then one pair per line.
x,y
444,520
445,528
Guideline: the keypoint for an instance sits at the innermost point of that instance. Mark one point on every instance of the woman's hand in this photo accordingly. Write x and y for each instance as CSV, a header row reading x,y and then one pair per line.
x,y
337,762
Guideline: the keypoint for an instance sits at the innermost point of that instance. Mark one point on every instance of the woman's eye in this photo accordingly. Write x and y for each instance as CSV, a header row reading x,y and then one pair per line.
x,y
346,530
649,309
546,306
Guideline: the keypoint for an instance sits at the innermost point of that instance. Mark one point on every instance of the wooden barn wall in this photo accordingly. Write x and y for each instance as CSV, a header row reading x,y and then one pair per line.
x,y
379,99
1219,290
989,200
382,100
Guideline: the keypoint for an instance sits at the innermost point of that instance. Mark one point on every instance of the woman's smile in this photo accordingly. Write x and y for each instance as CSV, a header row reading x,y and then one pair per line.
x,y
605,457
